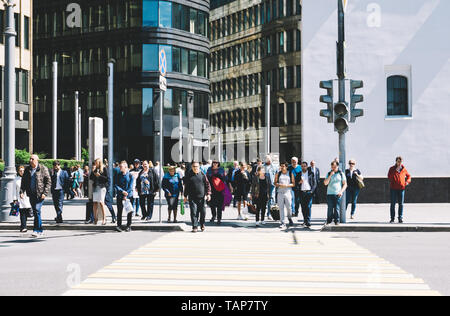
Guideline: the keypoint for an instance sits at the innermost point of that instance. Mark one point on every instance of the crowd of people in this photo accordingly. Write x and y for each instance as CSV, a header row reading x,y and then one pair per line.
x,y
275,192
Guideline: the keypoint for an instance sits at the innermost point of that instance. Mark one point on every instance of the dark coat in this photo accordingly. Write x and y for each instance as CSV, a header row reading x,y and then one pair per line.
x,y
43,181
102,180
311,179
154,179
254,188
64,177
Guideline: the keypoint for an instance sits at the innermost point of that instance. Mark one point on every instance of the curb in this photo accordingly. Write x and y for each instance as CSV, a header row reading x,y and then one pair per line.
x,y
386,228
107,228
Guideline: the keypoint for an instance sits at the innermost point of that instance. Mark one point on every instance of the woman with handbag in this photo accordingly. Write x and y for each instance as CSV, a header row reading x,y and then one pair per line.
x,y
217,179
24,203
99,176
355,184
260,193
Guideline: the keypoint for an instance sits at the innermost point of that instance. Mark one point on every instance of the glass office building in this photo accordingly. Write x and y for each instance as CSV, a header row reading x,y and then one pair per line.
x,y
254,44
132,32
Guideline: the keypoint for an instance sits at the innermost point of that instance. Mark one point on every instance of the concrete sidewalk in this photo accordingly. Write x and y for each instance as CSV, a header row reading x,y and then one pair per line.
x,y
369,217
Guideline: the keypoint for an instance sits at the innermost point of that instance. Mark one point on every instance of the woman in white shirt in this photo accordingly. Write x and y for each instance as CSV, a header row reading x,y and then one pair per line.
x,y
24,203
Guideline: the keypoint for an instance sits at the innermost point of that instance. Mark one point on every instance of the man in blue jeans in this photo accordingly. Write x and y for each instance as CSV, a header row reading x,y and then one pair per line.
x,y
307,185
60,185
336,185
124,188
36,182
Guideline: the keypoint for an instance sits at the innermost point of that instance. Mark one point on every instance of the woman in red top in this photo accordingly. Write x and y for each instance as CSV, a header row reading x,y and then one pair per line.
x,y
399,178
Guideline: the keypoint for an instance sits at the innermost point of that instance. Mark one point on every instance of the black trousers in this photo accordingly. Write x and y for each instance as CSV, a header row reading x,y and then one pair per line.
x,y
146,202
119,214
261,207
198,212
108,203
216,205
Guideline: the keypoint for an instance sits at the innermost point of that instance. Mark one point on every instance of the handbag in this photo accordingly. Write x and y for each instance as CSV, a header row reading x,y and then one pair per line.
x,y
14,209
128,207
182,207
360,183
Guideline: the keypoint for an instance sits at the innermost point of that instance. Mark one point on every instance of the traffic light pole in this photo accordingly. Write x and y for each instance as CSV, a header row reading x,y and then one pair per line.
x,y
341,87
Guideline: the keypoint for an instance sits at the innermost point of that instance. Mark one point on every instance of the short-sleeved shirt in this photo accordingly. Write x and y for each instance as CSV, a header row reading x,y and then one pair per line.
x,y
336,183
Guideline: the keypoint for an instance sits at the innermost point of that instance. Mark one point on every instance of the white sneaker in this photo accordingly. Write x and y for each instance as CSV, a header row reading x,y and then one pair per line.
x,y
258,224
245,218
282,226
35,234
240,217
263,223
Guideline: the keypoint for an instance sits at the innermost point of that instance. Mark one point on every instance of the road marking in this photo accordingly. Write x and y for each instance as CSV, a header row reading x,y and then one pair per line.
x,y
251,264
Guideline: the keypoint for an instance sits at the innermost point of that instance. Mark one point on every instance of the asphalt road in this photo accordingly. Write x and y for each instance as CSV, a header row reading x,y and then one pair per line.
x,y
49,266
425,255
52,265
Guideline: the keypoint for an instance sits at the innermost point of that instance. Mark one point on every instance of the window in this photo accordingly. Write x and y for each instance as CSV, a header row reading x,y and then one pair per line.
x,y
290,41
193,63
26,32
290,77
165,14
281,43
280,8
280,78
176,59
17,26
298,43
397,96
184,61
202,22
193,25
150,55
201,65
298,77
150,13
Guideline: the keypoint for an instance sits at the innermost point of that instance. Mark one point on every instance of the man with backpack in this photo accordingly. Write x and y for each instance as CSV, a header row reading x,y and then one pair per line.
x,y
336,183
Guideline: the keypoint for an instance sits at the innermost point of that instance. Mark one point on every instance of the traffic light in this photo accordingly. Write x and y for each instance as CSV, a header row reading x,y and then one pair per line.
x,y
328,99
341,116
354,99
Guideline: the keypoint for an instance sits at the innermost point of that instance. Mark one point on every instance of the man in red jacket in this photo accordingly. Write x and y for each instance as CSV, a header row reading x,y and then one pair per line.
x,y
399,178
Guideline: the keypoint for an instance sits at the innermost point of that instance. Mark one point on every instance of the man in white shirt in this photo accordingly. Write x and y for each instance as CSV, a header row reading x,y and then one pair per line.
x,y
308,184
60,183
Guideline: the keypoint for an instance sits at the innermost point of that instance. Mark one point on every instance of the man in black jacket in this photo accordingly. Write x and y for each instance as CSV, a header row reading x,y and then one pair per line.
x,y
307,184
36,182
196,190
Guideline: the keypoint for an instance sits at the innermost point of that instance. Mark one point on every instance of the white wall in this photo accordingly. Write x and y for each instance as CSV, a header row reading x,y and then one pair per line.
x,y
405,33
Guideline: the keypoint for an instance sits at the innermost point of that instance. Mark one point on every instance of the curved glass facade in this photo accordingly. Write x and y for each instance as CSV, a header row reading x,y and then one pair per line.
x,y
131,32
174,15
180,60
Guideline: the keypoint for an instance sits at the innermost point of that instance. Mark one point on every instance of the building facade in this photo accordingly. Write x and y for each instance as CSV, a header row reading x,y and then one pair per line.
x,y
23,62
132,32
398,49
253,44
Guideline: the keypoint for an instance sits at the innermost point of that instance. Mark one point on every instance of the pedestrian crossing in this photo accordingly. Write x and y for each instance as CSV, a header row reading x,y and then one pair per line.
x,y
258,263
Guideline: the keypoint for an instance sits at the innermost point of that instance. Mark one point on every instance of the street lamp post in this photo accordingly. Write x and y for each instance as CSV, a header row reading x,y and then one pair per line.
x,y
110,123
76,126
9,109
180,131
55,110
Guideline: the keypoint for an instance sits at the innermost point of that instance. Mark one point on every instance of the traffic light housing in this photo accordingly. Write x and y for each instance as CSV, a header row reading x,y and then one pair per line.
x,y
327,99
341,112
354,99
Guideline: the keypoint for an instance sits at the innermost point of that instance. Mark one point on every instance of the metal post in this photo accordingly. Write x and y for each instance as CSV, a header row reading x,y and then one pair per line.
x,y
76,125
161,147
110,123
79,134
55,110
341,85
219,145
9,110
180,145
267,130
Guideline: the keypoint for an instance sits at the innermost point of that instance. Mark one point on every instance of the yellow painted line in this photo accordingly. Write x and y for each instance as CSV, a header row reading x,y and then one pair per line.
x,y
251,260
260,289
239,277
394,270
288,257
253,263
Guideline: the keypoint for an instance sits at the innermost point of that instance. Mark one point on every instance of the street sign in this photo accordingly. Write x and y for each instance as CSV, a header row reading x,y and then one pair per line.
x,y
162,83
344,5
162,62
